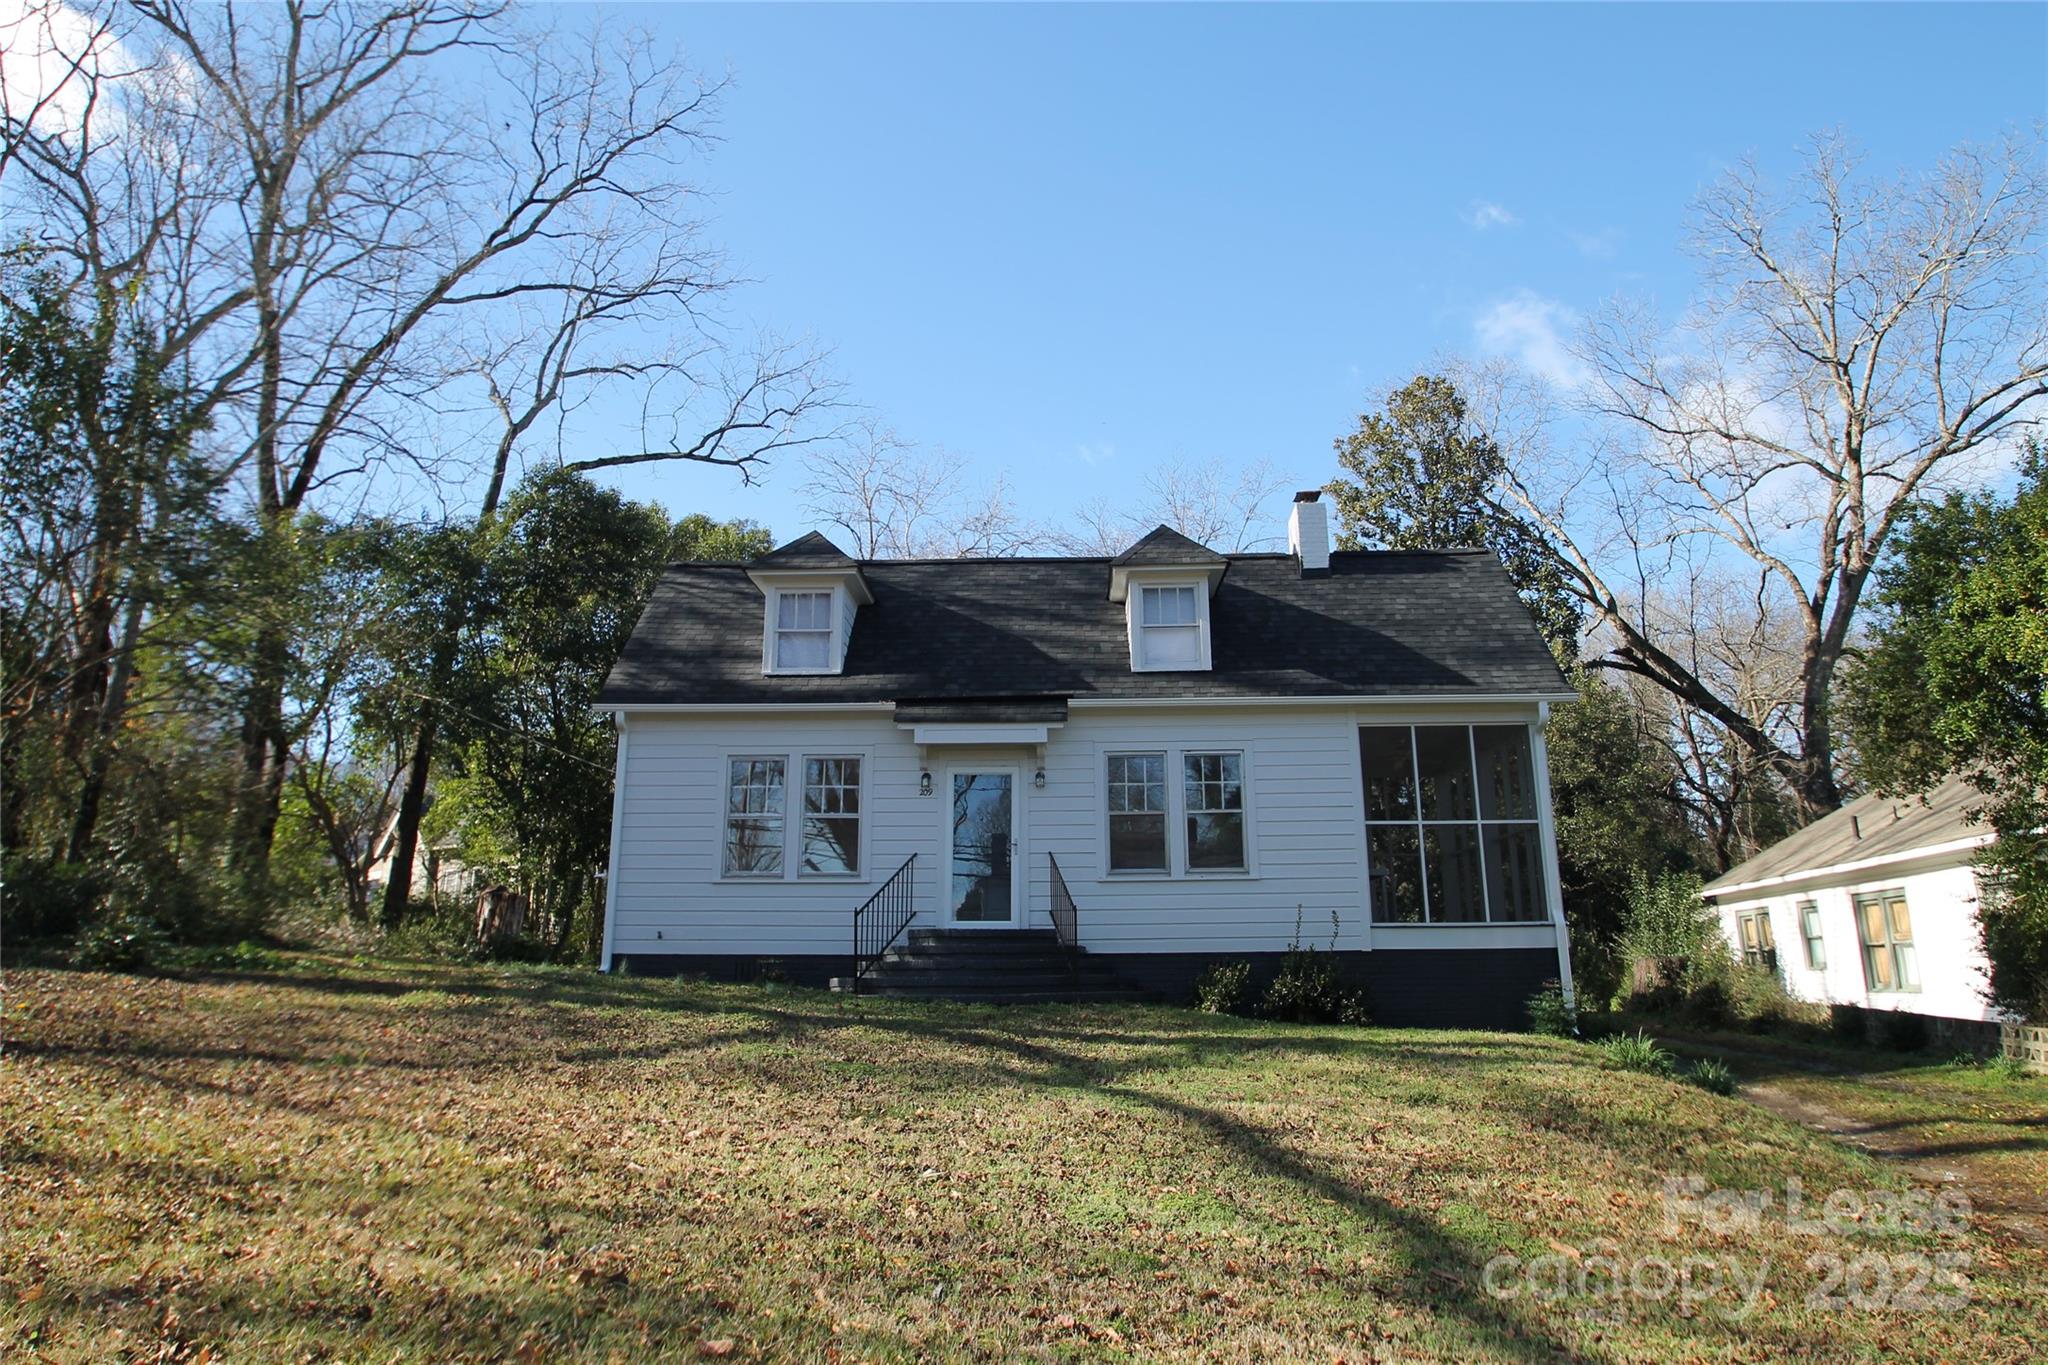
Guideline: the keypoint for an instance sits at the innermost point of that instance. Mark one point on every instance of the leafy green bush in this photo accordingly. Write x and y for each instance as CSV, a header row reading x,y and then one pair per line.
x,y
2008,1067
1667,919
122,942
1223,987
1549,1013
1758,1001
1307,990
45,899
1638,1051
1711,1075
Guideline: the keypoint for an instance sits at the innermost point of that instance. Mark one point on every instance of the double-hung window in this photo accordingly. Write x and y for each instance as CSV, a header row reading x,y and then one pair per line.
x,y
1169,627
1209,790
1451,824
754,816
831,837
1759,942
1885,927
803,632
1809,929
757,829
1137,812
1214,795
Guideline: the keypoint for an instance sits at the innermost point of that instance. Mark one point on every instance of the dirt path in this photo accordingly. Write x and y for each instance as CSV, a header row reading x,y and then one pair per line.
x,y
2000,1200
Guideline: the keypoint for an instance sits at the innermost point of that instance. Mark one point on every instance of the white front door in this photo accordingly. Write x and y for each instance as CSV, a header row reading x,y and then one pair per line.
x,y
981,848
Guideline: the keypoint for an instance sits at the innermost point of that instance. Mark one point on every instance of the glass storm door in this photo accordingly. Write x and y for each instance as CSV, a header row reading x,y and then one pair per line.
x,y
984,838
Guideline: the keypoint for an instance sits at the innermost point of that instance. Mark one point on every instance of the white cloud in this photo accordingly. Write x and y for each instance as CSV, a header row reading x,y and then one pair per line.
x,y
1532,330
43,52
1095,454
1485,214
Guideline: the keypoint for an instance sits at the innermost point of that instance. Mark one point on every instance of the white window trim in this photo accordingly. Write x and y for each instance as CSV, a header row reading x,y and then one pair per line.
x,y
771,628
726,874
1166,815
1177,869
1134,628
792,815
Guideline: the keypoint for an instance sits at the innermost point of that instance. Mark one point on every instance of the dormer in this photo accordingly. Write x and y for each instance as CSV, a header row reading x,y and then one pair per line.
x,y
1165,582
810,590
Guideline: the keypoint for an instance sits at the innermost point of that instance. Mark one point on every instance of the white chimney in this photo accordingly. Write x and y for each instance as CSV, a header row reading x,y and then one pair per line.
x,y
1308,533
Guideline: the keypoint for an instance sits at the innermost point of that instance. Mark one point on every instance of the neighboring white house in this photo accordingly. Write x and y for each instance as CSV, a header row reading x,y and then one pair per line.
x,y
1874,905
1166,760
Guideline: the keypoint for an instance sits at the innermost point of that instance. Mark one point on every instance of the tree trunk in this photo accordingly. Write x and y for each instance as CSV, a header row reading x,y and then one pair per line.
x,y
265,754
412,804
85,820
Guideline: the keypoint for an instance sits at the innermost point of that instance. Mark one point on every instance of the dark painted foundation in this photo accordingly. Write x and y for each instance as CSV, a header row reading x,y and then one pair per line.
x,y
1415,987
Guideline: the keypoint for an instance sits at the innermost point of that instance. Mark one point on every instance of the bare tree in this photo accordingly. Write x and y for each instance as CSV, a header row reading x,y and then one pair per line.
x,y
894,501
1857,343
332,217
1223,506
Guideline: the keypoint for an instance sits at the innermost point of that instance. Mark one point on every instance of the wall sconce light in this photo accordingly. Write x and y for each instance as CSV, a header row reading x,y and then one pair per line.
x,y
1038,779
924,783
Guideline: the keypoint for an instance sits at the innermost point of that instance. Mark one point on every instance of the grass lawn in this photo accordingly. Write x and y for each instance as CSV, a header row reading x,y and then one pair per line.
x,y
376,1160
1962,1123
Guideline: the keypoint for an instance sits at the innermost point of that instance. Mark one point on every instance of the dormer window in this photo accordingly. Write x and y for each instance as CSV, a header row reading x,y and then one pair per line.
x,y
803,632
1170,627
810,592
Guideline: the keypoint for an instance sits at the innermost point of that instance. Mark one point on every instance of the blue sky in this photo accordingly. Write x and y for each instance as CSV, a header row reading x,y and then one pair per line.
x,y
1069,243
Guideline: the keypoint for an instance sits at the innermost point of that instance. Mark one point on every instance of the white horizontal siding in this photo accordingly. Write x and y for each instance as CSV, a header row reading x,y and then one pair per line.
x,y
1306,840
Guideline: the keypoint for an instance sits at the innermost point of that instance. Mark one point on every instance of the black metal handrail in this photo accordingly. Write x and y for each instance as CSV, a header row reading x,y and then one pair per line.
x,y
882,920
1066,920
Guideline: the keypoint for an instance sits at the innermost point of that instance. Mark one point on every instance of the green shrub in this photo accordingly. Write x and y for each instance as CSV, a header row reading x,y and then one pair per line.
x,y
122,942
1307,990
1758,1000
1638,1052
1711,1075
1548,1012
2008,1067
1667,919
45,899
1223,987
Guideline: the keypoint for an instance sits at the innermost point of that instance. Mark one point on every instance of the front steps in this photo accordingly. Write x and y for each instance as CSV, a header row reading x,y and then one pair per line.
x,y
991,966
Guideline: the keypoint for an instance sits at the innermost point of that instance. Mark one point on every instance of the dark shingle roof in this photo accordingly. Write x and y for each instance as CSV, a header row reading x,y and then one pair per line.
x,y
1164,545
1869,827
808,551
1380,624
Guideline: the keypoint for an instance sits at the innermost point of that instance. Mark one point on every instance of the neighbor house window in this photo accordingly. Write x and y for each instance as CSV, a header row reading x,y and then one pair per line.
x,y
1169,627
1885,927
1759,944
1809,929
1137,812
1214,793
803,632
831,830
1451,829
753,817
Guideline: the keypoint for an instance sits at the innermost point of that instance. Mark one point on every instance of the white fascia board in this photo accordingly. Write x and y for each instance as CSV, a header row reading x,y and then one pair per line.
x,y
1529,699
660,708
979,734
1837,871
799,579
1122,576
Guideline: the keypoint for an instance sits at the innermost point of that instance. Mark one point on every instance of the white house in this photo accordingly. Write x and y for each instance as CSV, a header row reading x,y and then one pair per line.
x,y
1874,905
1031,777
